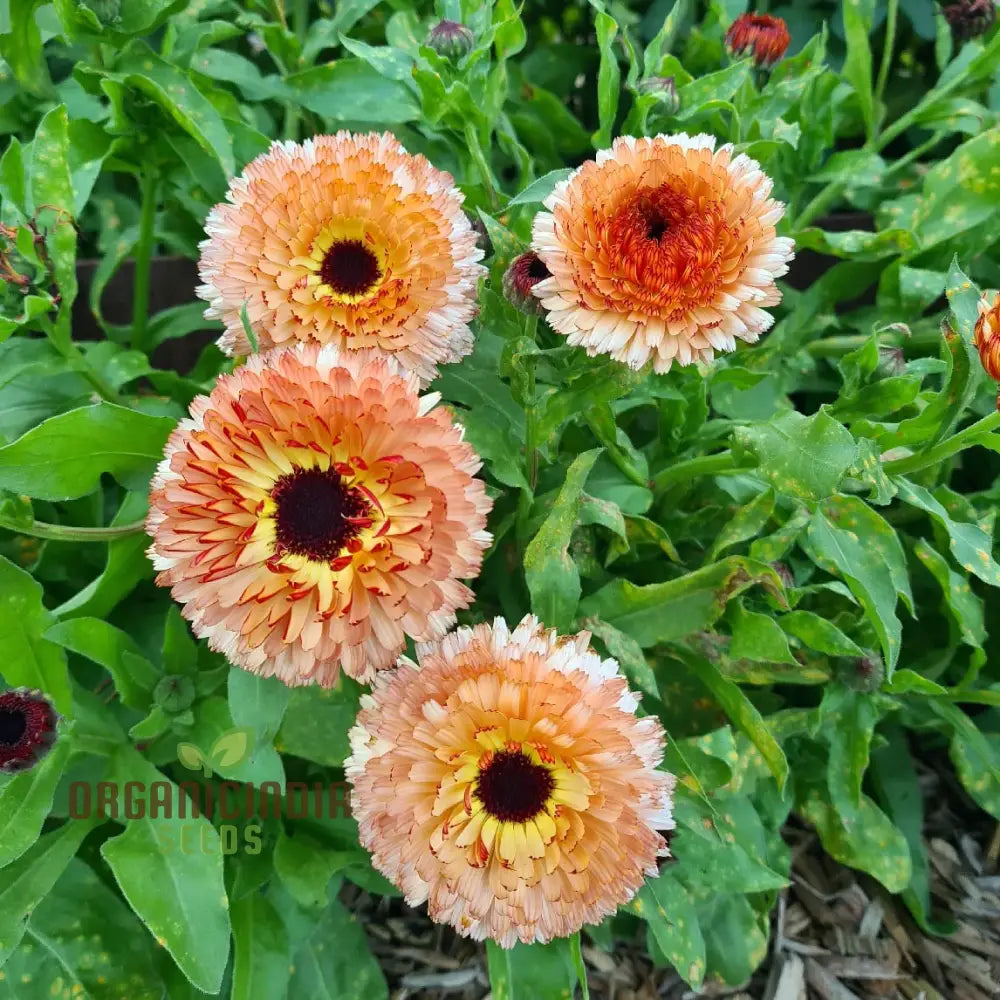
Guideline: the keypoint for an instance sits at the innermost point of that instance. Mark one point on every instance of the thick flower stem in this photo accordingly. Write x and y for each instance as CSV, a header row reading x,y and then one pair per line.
x,y
704,465
67,533
476,149
950,446
143,261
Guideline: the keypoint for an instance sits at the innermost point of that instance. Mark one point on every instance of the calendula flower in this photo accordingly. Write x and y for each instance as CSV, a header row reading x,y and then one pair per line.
x,y
507,782
521,276
763,37
315,510
344,239
662,249
27,729
987,336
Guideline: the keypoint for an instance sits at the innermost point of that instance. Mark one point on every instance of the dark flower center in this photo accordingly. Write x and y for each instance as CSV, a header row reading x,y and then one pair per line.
x,y
317,515
513,788
350,268
13,725
537,269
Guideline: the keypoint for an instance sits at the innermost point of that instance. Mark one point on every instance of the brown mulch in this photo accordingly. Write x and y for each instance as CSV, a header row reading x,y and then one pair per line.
x,y
836,934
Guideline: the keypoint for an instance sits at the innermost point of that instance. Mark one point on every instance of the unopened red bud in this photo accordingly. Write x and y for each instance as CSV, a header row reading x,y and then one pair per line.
x,y
970,19
520,279
987,337
763,37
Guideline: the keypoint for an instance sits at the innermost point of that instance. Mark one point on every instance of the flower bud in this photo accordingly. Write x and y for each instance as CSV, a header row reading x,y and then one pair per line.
x,y
864,674
763,37
970,18
107,11
890,362
987,337
664,88
451,40
27,729
174,693
784,574
520,278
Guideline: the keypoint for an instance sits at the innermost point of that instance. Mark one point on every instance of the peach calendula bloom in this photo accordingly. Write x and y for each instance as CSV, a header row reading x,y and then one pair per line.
x,y
761,36
661,249
315,510
987,336
344,239
507,782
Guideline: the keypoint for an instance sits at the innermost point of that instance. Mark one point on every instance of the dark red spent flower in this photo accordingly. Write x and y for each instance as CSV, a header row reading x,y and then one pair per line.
x,y
970,19
763,37
27,729
520,278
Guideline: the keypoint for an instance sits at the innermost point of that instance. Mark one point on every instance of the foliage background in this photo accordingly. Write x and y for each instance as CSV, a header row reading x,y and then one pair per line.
x,y
740,538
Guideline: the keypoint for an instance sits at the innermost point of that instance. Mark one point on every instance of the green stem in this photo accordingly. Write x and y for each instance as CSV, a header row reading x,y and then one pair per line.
x,y
530,413
950,446
475,147
832,347
703,465
67,533
890,41
79,363
144,260
300,25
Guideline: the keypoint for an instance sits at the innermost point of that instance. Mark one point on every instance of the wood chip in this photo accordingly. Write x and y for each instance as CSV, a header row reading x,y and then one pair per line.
x,y
825,984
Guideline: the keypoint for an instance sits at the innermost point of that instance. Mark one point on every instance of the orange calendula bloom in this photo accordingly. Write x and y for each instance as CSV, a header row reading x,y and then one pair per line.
x,y
661,249
507,782
314,511
988,335
344,239
764,37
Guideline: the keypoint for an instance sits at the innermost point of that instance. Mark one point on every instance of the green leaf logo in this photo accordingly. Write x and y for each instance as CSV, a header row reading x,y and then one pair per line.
x,y
232,748
192,758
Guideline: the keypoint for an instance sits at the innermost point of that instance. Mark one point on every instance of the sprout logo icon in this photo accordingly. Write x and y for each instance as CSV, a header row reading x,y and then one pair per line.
x,y
230,750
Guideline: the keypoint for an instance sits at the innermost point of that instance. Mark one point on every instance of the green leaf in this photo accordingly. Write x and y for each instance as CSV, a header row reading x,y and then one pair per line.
x,y
26,800
858,64
735,944
538,191
818,633
30,879
83,937
235,753
64,457
21,47
350,90
179,896
847,722
848,539
53,197
801,456
747,522
257,703
628,653
975,754
741,712
666,906
718,86
318,720
970,545
139,68
552,576
966,607
27,659
262,955
899,791
335,961
532,971
305,867
872,844
115,650
608,78
758,637
661,612
127,564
